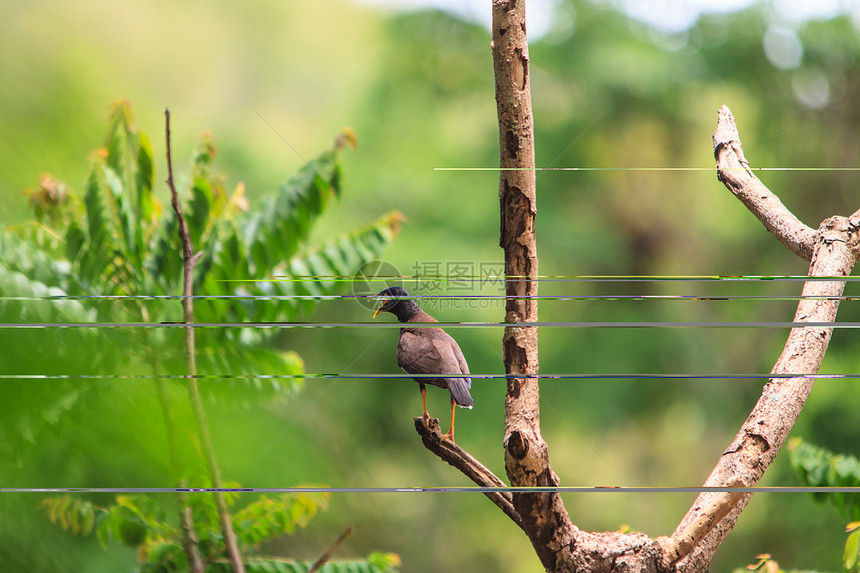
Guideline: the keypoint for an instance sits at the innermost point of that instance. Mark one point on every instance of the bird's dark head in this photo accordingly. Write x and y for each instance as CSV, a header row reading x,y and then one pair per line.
x,y
396,301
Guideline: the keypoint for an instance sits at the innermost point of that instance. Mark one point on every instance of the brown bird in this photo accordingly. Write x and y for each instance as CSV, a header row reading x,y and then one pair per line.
x,y
428,350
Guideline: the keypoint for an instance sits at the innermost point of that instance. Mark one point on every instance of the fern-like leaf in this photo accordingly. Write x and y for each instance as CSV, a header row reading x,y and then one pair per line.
x,y
326,269
21,256
818,467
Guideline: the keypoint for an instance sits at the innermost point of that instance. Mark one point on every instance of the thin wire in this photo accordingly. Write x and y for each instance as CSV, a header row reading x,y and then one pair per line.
x,y
713,168
563,324
607,297
307,406
551,278
388,375
442,489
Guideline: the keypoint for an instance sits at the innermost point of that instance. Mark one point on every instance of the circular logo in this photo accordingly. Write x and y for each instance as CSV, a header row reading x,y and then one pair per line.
x,y
371,278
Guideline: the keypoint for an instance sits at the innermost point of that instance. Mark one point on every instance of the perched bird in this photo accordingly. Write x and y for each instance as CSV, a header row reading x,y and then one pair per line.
x,y
428,350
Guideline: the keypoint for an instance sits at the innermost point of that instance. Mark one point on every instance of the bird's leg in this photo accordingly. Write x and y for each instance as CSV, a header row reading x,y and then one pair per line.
x,y
450,434
424,403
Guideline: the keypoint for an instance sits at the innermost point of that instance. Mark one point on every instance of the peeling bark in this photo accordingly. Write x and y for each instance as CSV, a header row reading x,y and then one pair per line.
x,y
526,454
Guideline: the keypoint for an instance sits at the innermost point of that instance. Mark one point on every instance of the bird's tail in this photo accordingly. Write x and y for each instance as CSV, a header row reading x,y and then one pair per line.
x,y
460,392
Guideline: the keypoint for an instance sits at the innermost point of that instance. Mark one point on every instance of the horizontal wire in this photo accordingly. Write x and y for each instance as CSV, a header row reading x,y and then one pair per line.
x,y
607,297
323,376
275,324
543,278
557,489
712,168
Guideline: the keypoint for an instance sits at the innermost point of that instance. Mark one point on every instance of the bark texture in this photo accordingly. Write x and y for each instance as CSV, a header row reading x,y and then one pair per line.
x,y
735,173
833,252
526,455
431,435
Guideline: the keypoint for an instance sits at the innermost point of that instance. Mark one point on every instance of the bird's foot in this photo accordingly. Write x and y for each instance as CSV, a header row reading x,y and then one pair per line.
x,y
449,436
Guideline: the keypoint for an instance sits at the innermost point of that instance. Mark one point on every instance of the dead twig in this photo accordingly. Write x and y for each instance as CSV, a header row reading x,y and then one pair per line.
x,y
331,549
189,260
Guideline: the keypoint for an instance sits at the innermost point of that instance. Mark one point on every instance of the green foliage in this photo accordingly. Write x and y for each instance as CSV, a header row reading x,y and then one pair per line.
x,y
268,517
250,369
118,240
765,564
113,255
818,467
374,563
138,522
31,406
851,555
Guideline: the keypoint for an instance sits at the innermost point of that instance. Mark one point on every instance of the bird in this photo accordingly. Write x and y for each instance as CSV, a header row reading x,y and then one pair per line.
x,y
428,350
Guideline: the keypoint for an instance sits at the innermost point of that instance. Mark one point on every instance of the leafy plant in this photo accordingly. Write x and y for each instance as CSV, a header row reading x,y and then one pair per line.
x,y
818,467
111,255
137,522
765,564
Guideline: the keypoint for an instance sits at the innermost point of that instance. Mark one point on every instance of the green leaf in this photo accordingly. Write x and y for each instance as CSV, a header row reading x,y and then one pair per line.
x,y
63,511
818,467
164,258
145,179
242,375
40,350
75,239
323,270
122,165
268,518
21,256
87,518
283,220
389,564
851,555
197,212
103,529
131,533
102,234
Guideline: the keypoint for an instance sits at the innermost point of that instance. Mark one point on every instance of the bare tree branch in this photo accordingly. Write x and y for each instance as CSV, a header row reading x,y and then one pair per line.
x,y
734,171
331,549
190,542
431,435
189,260
834,254
684,542
526,454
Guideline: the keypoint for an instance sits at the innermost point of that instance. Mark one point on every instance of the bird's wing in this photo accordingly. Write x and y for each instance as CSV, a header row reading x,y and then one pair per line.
x,y
430,352
461,360
417,354
434,352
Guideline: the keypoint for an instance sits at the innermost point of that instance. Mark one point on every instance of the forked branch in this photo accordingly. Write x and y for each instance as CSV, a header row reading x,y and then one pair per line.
x,y
833,251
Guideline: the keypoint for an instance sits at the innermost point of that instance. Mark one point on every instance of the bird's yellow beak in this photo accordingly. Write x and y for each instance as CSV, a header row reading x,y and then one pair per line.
x,y
378,310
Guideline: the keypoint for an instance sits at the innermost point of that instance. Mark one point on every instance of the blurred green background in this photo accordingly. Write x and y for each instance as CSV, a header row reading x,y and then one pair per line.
x,y
276,81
